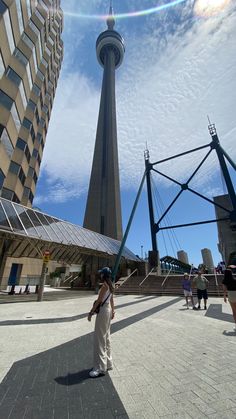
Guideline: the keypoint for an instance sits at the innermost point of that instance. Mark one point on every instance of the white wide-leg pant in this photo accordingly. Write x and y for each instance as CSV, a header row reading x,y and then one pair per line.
x,y
102,343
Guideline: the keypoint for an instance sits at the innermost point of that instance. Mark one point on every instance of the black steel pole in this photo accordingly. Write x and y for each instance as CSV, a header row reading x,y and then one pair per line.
x,y
150,203
223,165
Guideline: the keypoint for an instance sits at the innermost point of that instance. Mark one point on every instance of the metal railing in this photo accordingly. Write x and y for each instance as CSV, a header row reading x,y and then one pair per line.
x,y
163,283
141,283
126,279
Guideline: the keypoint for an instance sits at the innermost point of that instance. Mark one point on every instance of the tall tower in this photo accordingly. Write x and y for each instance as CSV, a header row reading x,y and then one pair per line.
x,y
103,209
31,53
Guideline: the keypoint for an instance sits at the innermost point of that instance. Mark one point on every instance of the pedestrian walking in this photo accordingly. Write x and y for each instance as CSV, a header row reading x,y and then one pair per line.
x,y
186,284
103,307
200,282
229,288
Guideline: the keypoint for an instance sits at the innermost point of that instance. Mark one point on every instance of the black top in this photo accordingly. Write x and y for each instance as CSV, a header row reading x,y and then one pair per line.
x,y
230,284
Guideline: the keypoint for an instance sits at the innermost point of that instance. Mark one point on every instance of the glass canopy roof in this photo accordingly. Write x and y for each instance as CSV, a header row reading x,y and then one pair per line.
x,y
30,223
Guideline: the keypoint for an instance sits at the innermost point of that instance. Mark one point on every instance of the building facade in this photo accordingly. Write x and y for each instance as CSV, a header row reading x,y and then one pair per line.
x,y
103,209
31,53
208,260
226,230
182,256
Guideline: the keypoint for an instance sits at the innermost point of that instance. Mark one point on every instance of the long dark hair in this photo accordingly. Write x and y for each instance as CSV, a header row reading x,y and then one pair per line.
x,y
108,280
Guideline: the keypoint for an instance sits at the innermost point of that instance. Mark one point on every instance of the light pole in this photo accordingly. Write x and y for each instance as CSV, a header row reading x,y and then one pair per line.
x,y
141,252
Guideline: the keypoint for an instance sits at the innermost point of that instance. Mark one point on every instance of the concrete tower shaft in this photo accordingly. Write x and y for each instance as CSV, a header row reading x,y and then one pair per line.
x,y
103,209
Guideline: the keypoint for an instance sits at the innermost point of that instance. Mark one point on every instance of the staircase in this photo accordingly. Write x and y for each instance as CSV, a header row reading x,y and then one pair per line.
x,y
172,286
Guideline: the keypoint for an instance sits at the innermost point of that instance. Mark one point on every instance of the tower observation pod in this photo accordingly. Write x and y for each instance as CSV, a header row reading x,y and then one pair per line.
x,y
103,208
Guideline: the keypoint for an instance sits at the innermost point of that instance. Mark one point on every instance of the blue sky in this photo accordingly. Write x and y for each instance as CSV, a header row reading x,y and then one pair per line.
x,y
179,67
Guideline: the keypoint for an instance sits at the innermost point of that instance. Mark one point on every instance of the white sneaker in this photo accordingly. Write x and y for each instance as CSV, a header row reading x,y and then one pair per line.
x,y
96,373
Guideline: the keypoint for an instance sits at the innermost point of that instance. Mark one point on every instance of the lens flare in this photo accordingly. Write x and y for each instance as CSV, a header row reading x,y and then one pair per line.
x,y
208,8
127,15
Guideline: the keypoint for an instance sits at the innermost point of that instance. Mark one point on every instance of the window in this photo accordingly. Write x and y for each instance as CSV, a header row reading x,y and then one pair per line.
x,y
2,66
13,76
5,100
32,132
39,16
37,116
39,159
26,192
32,105
27,41
45,109
7,194
22,176
19,14
8,27
28,8
31,197
21,144
27,153
5,140
29,74
33,27
21,57
2,178
36,89
26,123
31,172
43,5
15,117
50,40
42,122
35,153
23,95
3,7
40,75
44,62
47,50
14,168
35,177
35,60
39,137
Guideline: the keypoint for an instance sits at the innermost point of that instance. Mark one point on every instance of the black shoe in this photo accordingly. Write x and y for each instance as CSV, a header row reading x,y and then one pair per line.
x,y
199,308
205,308
194,308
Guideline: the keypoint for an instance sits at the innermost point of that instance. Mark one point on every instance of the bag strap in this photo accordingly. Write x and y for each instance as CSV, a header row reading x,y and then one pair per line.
x,y
105,300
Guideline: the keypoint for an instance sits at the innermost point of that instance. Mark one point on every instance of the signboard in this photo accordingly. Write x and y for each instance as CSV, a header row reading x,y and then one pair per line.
x,y
46,256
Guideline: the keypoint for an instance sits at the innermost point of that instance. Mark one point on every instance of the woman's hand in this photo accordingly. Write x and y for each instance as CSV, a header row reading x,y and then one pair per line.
x,y
112,315
225,299
89,317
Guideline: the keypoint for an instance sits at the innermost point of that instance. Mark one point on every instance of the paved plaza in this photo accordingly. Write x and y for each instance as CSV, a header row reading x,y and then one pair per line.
x,y
169,362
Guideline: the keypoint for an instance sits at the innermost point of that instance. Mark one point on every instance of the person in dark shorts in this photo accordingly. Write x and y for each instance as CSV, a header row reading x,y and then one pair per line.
x,y
229,288
200,282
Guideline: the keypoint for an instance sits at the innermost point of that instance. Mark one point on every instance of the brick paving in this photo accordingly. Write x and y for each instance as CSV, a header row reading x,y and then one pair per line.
x,y
169,362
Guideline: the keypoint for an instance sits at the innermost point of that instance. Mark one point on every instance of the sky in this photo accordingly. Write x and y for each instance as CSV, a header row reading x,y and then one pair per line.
x,y
179,67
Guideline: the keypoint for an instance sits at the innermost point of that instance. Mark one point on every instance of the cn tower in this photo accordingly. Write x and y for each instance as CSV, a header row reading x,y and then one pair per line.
x,y
103,208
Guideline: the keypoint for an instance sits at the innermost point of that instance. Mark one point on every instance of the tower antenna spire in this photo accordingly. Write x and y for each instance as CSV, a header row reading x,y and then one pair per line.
x,y
110,18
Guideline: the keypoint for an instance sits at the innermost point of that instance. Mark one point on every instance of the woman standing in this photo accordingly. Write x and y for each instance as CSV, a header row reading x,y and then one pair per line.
x,y
102,344
229,287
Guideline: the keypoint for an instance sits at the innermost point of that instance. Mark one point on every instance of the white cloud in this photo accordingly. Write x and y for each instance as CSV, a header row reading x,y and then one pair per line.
x,y
166,87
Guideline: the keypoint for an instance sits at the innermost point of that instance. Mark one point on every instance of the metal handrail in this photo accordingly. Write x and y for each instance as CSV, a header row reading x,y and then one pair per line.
x,y
216,280
166,277
126,279
146,277
67,279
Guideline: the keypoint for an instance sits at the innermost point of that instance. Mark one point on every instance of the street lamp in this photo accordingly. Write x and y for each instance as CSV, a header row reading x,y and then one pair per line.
x,y
141,252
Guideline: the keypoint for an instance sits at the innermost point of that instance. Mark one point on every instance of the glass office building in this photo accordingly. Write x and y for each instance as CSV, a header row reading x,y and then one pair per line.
x,y
31,53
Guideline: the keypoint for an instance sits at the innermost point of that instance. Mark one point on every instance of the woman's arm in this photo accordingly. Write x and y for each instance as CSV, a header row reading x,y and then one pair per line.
x,y
225,293
99,300
112,307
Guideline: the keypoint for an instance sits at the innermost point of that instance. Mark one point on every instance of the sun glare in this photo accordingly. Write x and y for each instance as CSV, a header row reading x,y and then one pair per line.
x,y
207,8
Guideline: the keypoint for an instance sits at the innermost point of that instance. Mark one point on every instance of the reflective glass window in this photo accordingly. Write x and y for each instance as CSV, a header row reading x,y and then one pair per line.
x,y
19,14
22,176
47,226
23,214
31,197
13,76
36,89
21,57
28,69
39,16
3,7
43,5
5,139
40,229
33,27
47,50
14,168
28,7
2,178
32,132
30,172
40,47
27,41
40,75
8,27
2,66
44,62
42,122
32,105
5,100
35,153
23,95
35,60
27,123
12,216
7,193
15,117
3,219
21,144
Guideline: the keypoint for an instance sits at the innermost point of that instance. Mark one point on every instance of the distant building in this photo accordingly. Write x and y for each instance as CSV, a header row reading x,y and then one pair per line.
x,y
226,233
183,256
207,260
